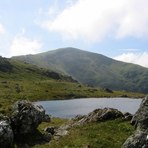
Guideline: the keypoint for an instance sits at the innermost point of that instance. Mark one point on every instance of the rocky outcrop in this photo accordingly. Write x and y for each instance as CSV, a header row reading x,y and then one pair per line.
x,y
26,117
101,115
97,115
140,120
6,133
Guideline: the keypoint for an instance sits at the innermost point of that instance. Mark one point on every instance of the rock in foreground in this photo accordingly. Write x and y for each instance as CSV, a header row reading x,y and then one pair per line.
x,y
26,117
140,120
137,140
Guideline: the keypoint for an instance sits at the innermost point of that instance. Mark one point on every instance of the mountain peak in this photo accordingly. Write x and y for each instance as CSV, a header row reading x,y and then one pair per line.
x,y
66,49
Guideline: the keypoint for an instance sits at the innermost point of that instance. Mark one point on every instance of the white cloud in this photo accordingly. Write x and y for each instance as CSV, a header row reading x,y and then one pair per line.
x,y
136,58
2,30
22,45
92,20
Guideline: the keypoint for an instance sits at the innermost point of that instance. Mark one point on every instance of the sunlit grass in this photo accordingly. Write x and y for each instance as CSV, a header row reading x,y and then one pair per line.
x,y
109,134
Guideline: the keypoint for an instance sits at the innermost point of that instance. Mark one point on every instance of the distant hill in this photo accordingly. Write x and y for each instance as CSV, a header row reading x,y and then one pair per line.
x,y
92,69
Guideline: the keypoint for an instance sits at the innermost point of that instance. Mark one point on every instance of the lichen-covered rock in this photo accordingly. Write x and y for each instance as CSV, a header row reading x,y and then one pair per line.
x,y
138,140
6,133
140,119
26,117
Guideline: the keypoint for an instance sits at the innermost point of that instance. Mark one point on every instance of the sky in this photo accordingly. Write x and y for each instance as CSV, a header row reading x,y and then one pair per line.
x,y
114,28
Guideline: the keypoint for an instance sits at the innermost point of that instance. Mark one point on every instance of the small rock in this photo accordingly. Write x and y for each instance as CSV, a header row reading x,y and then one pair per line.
x,y
108,90
127,116
60,133
50,130
47,137
47,118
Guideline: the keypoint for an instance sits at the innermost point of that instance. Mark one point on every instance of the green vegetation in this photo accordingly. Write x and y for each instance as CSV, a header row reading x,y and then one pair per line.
x,y
109,134
12,91
19,80
93,69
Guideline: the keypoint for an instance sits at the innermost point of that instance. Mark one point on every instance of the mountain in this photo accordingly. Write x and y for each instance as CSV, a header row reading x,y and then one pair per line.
x,y
92,69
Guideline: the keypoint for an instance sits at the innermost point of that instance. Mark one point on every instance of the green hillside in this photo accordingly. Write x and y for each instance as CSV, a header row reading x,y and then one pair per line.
x,y
19,80
92,69
17,70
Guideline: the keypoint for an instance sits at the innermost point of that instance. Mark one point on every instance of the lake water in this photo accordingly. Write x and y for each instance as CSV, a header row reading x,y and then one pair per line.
x,y
71,108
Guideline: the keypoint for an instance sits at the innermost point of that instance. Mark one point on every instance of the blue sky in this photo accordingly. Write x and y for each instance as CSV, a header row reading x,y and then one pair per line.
x,y
115,28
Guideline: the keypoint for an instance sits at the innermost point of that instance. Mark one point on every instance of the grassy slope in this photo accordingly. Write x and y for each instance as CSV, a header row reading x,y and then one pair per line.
x,y
19,80
93,69
109,134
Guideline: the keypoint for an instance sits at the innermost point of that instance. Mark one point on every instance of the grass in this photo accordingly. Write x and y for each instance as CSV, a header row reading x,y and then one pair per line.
x,y
19,80
109,134
56,122
50,89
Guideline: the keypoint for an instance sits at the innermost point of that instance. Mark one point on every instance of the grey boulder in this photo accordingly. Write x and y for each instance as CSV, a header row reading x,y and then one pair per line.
x,y
140,120
26,117
6,133
138,140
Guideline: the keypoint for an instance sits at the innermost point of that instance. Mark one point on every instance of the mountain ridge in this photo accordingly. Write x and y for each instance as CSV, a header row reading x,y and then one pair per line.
x,y
92,69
